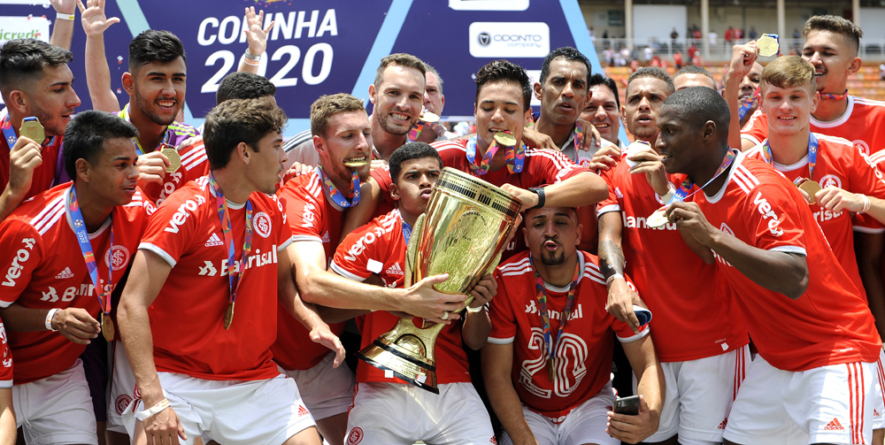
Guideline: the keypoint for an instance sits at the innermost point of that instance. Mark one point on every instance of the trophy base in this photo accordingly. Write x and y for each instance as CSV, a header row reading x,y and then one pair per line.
x,y
407,352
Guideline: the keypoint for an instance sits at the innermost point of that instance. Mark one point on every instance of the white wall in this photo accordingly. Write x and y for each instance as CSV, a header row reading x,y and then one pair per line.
x,y
657,21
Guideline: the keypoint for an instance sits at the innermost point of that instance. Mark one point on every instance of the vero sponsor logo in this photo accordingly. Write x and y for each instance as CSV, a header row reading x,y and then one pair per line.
x,y
182,213
764,208
22,255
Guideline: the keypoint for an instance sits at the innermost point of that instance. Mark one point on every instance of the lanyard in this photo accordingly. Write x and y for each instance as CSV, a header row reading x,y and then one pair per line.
x,y
832,96
336,194
541,295
749,103
235,268
812,154
420,126
682,194
514,157
104,300
579,135
139,150
9,132
407,229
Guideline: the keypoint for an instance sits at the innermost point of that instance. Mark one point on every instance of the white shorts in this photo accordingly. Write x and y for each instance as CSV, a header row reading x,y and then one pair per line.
x,y
397,413
830,404
326,391
56,410
585,424
122,389
235,412
698,398
879,407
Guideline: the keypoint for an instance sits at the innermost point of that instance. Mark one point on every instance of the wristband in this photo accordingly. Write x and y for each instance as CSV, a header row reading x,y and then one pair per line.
x,y
65,16
612,278
142,415
48,322
250,62
251,56
541,198
474,310
866,204
666,198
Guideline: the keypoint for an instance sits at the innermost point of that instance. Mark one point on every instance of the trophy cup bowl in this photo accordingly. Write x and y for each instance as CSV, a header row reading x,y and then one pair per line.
x,y
462,233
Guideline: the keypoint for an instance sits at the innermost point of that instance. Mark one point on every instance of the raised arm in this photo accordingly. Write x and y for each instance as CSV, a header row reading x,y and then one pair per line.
x,y
63,28
742,59
257,39
24,157
580,190
98,74
497,364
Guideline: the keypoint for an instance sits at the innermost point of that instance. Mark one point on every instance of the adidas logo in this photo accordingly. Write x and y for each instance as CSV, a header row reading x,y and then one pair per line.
x,y
395,270
302,411
65,274
834,425
723,424
326,237
214,240
618,193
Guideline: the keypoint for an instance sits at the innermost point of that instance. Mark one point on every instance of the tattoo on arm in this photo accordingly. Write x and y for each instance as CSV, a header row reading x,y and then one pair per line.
x,y
610,253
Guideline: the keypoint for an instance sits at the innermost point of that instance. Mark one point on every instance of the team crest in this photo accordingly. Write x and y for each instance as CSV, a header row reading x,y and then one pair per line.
x,y
725,229
262,224
123,400
862,146
355,437
830,181
117,257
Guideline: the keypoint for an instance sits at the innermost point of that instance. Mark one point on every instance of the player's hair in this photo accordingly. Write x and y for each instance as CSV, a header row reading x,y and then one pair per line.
x,y
243,85
430,69
23,60
654,72
412,150
86,133
699,105
505,71
694,69
569,54
239,120
327,106
572,211
399,59
835,24
599,79
789,72
154,46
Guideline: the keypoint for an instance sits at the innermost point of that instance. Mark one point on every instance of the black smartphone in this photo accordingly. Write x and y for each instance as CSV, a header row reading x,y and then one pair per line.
x,y
627,405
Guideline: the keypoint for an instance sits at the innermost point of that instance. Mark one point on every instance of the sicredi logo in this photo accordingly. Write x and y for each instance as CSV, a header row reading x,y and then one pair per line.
x,y
24,28
509,39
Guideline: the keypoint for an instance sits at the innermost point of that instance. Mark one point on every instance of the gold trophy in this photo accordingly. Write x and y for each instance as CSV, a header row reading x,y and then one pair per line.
x,y
462,233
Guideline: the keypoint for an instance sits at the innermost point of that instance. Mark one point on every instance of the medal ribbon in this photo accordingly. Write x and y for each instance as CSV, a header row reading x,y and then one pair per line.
x,y
124,113
541,295
407,229
422,125
336,194
748,104
832,96
104,300
682,194
514,157
235,268
812,154
579,135
9,132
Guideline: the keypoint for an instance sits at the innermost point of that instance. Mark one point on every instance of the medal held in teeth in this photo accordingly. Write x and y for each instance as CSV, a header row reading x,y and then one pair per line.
x,y
174,158
505,139
356,163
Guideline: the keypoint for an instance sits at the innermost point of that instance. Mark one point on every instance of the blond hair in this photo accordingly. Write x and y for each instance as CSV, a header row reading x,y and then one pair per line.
x,y
789,72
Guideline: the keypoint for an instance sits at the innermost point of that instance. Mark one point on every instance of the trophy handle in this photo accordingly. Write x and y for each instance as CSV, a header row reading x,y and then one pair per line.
x,y
412,250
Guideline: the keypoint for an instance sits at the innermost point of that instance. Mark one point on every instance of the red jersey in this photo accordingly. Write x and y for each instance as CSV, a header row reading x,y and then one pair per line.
x,y
692,317
379,247
312,217
189,336
44,174
44,269
839,164
382,177
863,123
5,360
830,323
583,355
194,165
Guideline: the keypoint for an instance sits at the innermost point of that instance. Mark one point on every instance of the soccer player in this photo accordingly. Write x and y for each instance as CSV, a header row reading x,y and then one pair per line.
x,y
548,359
35,81
63,253
434,102
702,348
693,76
812,381
202,360
397,96
603,109
647,88
456,415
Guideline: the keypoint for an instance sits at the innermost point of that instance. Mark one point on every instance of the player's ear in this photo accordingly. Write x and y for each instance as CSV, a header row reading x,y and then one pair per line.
x,y
18,100
128,83
709,130
394,192
538,88
855,65
815,101
319,144
243,152
82,167
372,93
580,230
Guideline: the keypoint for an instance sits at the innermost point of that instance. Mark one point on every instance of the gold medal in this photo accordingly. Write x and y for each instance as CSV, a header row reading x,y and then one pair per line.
x,y
551,368
229,315
107,327
174,159
429,117
768,45
657,219
32,130
505,139
356,164
810,187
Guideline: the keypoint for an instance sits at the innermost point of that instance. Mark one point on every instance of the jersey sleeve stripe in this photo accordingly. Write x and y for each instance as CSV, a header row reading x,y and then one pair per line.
x,y
159,251
299,238
751,178
194,152
501,341
518,265
5,383
49,208
285,244
594,278
346,274
297,140
635,337
313,186
50,221
196,162
790,249
750,138
862,229
608,208
514,273
741,181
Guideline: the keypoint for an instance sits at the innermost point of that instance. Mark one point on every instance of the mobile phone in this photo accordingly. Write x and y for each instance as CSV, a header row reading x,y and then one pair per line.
x,y
627,405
